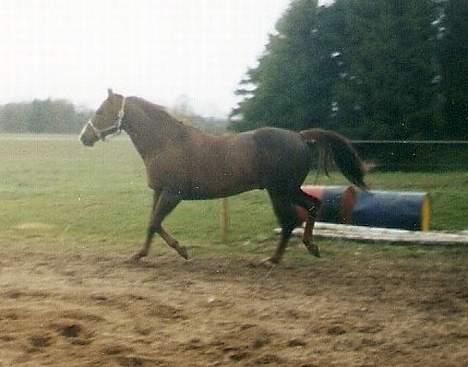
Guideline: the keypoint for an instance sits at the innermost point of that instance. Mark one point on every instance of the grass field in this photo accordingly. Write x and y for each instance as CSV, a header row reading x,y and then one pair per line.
x,y
55,189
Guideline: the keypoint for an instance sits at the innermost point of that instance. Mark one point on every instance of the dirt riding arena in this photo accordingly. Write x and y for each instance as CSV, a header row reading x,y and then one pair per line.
x,y
87,307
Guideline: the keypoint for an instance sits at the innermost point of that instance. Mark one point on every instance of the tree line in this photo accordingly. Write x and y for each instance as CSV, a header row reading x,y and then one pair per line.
x,y
371,69
59,116
43,116
183,111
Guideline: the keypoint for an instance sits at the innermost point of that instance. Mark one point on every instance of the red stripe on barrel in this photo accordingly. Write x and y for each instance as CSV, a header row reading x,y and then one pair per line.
x,y
337,203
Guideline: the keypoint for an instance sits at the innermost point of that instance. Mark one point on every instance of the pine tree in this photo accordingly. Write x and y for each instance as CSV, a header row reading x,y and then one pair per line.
x,y
453,57
388,69
283,89
386,89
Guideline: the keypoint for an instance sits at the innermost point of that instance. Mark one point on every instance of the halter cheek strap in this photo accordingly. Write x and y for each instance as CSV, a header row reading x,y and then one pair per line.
x,y
117,125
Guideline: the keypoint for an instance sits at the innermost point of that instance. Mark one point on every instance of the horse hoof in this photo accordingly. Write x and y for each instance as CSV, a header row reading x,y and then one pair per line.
x,y
135,258
269,262
314,250
183,252
131,260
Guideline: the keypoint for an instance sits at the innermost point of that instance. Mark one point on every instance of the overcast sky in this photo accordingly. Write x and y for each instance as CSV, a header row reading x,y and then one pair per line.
x,y
156,49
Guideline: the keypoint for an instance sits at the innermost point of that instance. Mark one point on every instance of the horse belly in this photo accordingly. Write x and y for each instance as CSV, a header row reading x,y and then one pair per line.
x,y
220,185
230,172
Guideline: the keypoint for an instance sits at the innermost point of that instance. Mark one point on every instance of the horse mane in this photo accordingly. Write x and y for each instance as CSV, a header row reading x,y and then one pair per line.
x,y
158,117
156,111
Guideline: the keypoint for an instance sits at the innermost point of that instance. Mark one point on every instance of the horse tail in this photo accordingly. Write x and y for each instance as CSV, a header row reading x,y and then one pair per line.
x,y
333,145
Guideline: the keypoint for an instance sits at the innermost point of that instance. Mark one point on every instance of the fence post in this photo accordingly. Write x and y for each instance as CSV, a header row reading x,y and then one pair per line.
x,y
225,220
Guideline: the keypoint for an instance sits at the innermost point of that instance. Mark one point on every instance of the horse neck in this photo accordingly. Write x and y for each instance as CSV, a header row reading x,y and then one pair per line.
x,y
150,128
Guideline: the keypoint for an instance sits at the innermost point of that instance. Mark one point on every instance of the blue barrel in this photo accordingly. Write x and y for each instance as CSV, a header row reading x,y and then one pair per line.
x,y
392,209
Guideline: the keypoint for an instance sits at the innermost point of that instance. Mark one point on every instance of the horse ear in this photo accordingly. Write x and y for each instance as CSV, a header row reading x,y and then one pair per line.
x,y
110,93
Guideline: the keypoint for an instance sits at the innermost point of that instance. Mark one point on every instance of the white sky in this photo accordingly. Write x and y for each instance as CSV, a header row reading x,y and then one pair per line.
x,y
156,49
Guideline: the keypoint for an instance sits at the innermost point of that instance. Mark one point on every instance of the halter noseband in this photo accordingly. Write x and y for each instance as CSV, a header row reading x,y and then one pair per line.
x,y
117,126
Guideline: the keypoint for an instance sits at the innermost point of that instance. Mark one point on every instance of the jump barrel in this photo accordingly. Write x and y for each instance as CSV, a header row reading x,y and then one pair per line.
x,y
386,209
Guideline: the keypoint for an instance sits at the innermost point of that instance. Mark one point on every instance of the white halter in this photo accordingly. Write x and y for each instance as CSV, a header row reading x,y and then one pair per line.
x,y
117,125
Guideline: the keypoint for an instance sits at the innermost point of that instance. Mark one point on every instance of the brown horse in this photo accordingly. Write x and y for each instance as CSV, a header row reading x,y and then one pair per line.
x,y
182,163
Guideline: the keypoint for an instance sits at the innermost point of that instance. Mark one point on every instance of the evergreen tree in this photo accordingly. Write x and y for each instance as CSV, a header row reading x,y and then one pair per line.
x,y
283,89
390,69
386,89
453,57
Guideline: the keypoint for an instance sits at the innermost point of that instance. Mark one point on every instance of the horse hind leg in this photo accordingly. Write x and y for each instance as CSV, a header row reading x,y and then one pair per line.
x,y
312,206
287,217
163,204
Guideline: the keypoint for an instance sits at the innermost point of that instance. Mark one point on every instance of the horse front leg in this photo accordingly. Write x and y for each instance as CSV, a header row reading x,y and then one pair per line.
x,y
163,203
172,242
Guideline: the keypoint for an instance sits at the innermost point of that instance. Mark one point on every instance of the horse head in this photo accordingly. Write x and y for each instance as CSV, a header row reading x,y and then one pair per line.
x,y
106,121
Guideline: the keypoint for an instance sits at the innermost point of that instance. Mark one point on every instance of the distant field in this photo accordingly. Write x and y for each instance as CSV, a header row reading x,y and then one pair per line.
x,y
52,186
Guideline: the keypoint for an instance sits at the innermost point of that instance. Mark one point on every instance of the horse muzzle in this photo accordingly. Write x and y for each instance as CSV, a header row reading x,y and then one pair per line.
x,y
86,142
87,136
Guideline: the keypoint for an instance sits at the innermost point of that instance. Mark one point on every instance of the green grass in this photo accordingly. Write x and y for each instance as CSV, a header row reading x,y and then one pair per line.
x,y
55,190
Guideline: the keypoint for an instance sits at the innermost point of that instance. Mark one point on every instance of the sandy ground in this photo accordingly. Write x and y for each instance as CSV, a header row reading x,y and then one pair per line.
x,y
88,308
